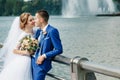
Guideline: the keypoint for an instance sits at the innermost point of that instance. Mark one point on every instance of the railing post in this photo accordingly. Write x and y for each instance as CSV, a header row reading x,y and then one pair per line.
x,y
1,45
77,73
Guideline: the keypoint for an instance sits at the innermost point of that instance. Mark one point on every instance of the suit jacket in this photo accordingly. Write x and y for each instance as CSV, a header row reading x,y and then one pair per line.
x,y
50,46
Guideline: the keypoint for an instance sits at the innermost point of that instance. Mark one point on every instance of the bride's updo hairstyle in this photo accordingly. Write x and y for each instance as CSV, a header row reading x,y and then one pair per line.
x,y
23,20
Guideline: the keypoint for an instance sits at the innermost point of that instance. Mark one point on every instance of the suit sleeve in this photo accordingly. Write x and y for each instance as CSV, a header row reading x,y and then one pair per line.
x,y
56,42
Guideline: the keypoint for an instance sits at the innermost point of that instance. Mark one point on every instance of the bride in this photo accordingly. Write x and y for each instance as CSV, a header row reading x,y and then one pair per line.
x,y
17,64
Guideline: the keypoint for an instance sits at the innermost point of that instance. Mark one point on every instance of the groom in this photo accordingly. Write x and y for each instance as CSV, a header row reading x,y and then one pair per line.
x,y
49,43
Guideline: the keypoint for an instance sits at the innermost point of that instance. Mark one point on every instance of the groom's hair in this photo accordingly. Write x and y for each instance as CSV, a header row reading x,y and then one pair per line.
x,y
44,14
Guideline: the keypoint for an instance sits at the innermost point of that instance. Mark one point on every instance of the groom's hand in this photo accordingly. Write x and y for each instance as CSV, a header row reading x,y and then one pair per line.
x,y
40,59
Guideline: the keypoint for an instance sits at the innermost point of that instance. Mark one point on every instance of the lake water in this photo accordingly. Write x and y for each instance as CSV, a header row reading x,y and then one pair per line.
x,y
96,38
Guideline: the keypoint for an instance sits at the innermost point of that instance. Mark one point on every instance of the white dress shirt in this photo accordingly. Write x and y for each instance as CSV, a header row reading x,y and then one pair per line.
x,y
44,29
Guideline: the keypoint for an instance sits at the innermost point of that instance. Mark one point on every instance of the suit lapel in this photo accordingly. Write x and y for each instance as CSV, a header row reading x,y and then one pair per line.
x,y
37,34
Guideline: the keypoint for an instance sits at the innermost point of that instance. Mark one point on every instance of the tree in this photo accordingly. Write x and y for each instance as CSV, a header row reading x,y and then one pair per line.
x,y
17,9
2,7
9,6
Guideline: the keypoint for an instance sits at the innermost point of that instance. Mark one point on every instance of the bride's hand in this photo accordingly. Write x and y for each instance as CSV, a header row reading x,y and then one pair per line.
x,y
24,52
15,51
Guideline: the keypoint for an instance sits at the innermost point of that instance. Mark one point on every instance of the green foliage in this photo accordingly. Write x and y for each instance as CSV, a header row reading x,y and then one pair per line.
x,y
16,7
8,8
2,6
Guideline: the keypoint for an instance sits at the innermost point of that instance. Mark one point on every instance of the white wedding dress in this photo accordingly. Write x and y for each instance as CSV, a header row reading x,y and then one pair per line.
x,y
19,68
16,67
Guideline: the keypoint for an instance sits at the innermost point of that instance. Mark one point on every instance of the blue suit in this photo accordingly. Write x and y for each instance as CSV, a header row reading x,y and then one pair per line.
x,y
50,46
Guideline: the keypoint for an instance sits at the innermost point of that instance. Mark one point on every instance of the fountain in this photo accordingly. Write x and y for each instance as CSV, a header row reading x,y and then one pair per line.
x,y
72,8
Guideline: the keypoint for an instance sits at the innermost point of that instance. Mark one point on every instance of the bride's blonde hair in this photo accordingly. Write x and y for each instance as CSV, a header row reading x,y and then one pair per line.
x,y
24,19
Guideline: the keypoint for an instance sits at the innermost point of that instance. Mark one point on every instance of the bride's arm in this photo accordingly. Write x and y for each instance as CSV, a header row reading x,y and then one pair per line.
x,y
22,52
17,50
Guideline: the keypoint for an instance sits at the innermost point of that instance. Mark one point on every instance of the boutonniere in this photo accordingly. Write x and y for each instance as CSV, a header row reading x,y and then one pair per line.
x,y
44,32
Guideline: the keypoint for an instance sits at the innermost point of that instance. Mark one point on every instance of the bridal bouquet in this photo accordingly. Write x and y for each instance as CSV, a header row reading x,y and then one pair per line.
x,y
29,43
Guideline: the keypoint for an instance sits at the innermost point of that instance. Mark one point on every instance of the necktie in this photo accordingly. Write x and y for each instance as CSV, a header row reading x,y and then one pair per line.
x,y
40,40
40,37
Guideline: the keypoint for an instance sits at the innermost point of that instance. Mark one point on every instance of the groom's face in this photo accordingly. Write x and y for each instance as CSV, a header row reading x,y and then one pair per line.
x,y
38,20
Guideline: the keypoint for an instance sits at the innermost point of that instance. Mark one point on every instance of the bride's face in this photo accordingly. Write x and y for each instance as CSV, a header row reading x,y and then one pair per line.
x,y
30,22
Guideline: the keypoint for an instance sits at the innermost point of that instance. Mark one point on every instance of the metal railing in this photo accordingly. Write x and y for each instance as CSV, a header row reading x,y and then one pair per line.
x,y
83,69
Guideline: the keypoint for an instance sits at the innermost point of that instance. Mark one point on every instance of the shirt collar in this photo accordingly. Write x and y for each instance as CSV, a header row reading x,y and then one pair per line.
x,y
44,29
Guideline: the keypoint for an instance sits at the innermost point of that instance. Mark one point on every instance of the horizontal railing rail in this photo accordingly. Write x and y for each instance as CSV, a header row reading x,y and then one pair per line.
x,y
62,60
106,70
55,76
